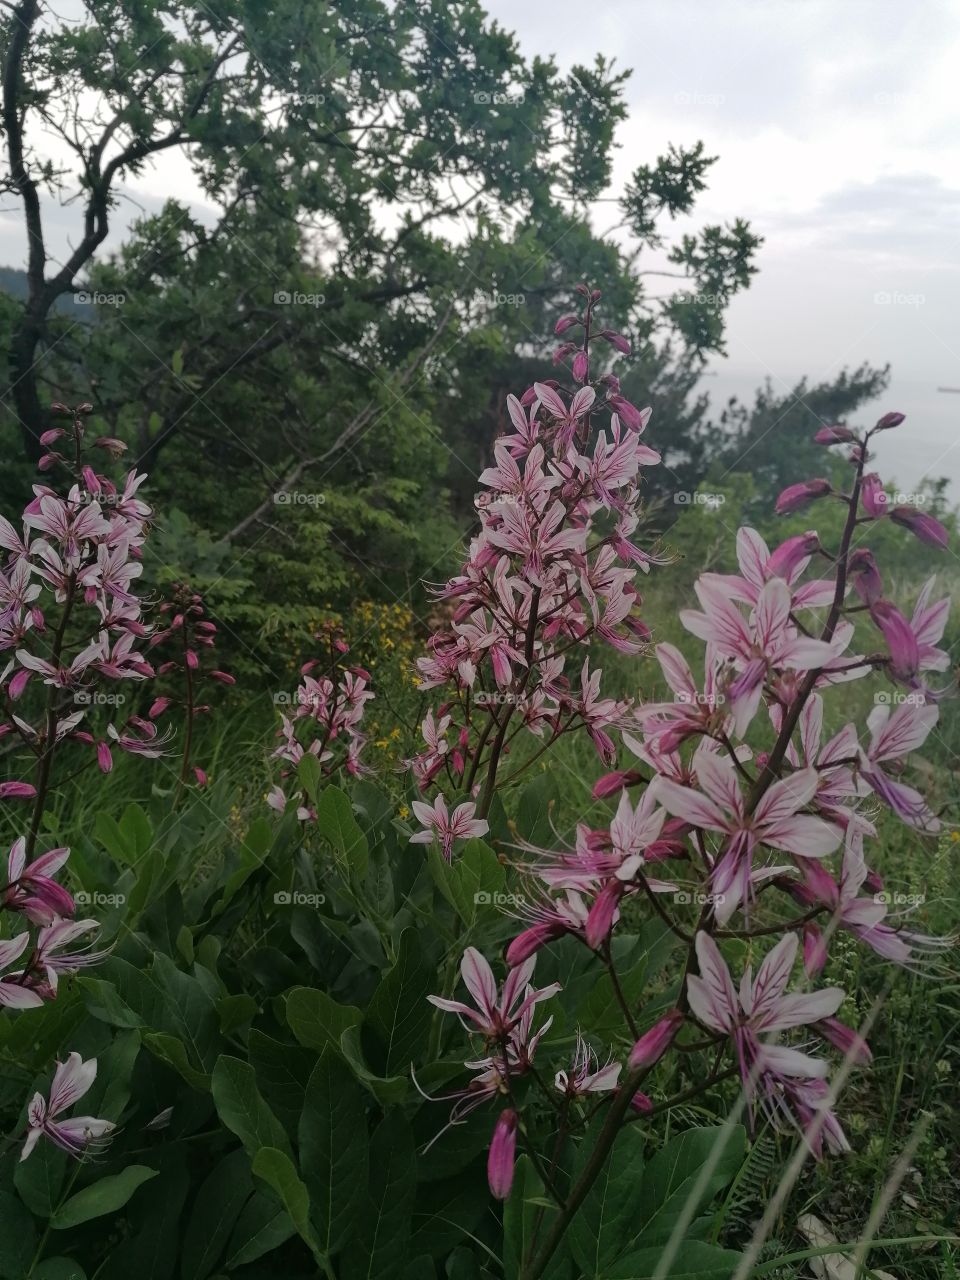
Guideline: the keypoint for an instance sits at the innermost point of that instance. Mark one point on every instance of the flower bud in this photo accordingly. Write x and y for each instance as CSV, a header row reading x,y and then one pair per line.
x,y
835,435
873,495
581,367
796,496
923,527
503,1153
565,322
651,1046
844,1038
889,420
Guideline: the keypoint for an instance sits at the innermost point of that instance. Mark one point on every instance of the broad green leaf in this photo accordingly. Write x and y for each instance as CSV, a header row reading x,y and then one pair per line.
x,y
398,1013
693,1260
282,1074
261,1228
379,1248
18,1236
520,1215
535,808
278,1172
316,1019
333,1150
105,1196
242,1109
684,1176
39,1180
393,1089
216,1208
606,1221
58,1269
174,1053
336,823
137,831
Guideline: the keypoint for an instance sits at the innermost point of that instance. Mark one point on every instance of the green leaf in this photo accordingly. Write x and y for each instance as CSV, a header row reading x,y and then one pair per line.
x,y
58,1269
316,1019
606,1221
278,1172
379,1248
18,1237
693,1260
106,1196
174,1053
398,1013
684,1176
393,1089
137,831
520,1214
535,808
282,1074
39,1179
216,1208
333,1150
242,1109
261,1228
336,823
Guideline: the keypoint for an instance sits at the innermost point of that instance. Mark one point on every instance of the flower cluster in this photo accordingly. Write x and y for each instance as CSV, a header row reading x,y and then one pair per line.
x,y
324,721
187,635
71,619
760,815
551,569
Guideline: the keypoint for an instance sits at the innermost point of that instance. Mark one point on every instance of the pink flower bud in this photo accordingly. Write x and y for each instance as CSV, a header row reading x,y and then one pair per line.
x,y
503,1154
200,776
641,1103
791,554
814,949
651,1046
873,495
890,420
581,367
51,436
923,527
104,758
158,707
603,913
223,676
796,496
565,322
531,940
865,576
633,419
564,350
49,461
616,340
843,1038
611,783
901,641
835,435
17,791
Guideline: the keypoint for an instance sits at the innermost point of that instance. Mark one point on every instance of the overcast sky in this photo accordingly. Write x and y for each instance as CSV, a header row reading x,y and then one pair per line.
x,y
837,126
